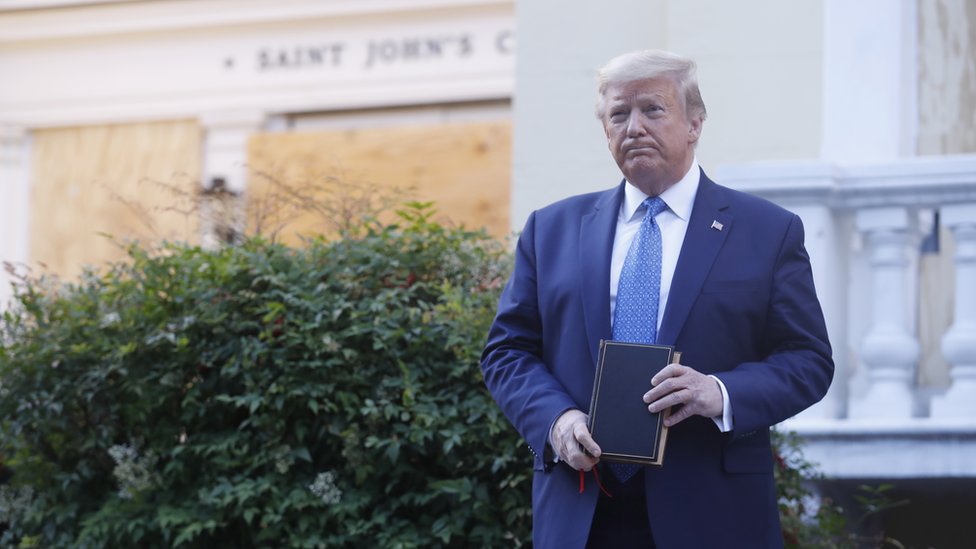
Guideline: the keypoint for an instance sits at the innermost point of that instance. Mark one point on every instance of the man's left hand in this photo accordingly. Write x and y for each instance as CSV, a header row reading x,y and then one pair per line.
x,y
696,393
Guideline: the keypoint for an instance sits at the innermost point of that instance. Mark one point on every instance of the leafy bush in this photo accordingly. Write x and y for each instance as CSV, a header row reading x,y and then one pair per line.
x,y
264,396
809,521
267,396
805,521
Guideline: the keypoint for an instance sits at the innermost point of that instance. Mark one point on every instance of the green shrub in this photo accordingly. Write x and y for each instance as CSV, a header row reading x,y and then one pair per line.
x,y
805,521
264,396
819,522
267,396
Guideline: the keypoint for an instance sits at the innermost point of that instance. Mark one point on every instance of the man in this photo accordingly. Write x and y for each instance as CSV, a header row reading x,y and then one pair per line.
x,y
726,280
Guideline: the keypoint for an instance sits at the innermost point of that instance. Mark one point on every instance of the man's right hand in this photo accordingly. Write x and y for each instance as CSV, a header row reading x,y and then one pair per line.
x,y
568,434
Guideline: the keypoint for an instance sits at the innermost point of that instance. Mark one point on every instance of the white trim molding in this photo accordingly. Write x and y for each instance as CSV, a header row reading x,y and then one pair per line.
x,y
886,449
58,19
15,207
139,61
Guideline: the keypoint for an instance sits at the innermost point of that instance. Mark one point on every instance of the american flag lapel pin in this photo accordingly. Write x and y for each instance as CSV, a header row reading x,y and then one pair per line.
x,y
717,226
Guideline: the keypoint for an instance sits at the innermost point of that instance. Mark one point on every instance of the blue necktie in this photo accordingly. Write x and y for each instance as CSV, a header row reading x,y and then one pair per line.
x,y
638,293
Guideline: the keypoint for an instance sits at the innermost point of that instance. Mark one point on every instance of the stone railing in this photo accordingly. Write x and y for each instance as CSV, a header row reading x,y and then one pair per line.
x,y
889,243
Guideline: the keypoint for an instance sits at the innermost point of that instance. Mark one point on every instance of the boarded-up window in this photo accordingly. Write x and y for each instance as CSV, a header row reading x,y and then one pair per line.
x,y
128,181
465,168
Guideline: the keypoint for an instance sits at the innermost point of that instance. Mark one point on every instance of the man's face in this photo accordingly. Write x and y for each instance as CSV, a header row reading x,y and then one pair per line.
x,y
648,132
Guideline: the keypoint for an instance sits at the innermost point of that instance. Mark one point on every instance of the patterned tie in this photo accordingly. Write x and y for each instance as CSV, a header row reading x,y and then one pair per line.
x,y
638,293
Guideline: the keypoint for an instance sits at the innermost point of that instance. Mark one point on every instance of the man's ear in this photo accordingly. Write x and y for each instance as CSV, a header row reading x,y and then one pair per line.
x,y
694,129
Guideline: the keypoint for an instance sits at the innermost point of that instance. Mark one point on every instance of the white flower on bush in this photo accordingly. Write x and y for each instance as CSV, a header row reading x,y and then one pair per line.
x,y
325,488
109,319
133,473
15,504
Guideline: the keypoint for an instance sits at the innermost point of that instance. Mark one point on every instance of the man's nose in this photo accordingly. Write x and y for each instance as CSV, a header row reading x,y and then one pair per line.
x,y
635,127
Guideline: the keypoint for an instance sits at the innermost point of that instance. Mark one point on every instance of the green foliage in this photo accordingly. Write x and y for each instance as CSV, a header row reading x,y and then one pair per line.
x,y
267,396
811,523
806,523
264,396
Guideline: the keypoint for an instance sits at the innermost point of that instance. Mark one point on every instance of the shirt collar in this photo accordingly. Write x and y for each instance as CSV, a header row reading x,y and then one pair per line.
x,y
679,197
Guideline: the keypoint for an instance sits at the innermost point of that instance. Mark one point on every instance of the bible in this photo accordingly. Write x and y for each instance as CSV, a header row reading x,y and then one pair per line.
x,y
619,421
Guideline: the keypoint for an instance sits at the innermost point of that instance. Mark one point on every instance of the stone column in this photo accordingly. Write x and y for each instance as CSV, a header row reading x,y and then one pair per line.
x,y
225,172
959,343
869,76
15,206
889,351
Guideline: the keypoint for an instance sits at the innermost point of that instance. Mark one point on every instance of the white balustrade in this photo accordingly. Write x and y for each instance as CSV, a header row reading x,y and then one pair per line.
x,y
889,351
863,237
959,343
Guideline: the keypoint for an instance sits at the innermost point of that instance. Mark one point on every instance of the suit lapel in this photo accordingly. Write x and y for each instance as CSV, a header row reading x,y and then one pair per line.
x,y
597,230
702,243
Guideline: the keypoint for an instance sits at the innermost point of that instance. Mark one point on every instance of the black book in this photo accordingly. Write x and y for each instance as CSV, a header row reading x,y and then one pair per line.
x,y
619,420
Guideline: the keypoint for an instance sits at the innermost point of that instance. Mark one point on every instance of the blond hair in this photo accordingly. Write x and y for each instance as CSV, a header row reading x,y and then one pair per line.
x,y
646,64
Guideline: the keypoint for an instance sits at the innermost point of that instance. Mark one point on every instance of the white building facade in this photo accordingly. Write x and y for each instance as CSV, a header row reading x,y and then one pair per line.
x,y
859,116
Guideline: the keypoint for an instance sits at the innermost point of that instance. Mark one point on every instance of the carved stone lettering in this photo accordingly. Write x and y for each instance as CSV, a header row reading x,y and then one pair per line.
x,y
328,55
376,53
392,51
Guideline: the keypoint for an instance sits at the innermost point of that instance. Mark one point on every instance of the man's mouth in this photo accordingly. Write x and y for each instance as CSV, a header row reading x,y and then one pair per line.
x,y
638,149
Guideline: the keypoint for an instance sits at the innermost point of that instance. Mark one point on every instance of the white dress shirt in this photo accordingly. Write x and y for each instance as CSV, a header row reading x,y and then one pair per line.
x,y
673,223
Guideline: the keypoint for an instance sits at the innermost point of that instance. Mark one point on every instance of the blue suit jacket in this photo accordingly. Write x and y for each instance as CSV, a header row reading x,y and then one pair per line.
x,y
742,306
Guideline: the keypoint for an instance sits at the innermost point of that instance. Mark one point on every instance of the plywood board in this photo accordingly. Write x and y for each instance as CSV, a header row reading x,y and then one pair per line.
x,y
464,168
133,181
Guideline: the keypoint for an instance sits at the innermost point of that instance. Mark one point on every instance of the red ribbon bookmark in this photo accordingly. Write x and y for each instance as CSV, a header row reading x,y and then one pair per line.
x,y
596,475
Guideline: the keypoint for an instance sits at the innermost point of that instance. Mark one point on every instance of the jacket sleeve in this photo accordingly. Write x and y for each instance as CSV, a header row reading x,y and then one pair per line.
x,y
513,362
797,368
